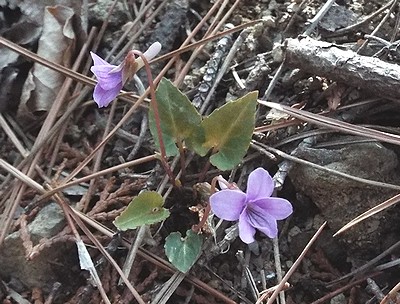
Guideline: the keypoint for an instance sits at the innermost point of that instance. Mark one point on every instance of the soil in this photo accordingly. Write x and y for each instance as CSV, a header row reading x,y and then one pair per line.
x,y
326,68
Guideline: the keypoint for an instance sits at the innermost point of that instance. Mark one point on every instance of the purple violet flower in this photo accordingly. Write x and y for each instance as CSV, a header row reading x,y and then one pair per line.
x,y
255,209
111,78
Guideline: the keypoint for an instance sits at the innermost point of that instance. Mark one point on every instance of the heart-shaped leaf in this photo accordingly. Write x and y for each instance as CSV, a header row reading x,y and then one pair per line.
x,y
183,252
228,131
179,119
145,209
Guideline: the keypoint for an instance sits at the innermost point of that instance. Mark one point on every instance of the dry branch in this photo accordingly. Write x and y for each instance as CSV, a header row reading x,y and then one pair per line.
x,y
329,60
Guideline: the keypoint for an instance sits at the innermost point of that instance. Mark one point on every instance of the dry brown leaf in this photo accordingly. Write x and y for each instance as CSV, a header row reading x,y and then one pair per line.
x,y
56,44
34,9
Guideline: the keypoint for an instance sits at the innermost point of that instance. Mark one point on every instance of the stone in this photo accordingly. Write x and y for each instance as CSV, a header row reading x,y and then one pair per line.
x,y
48,266
98,12
341,200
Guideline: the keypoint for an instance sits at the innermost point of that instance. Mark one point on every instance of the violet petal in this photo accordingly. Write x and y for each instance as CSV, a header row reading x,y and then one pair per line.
x,y
277,207
97,60
104,97
152,51
259,219
259,184
228,204
246,230
271,231
105,78
222,182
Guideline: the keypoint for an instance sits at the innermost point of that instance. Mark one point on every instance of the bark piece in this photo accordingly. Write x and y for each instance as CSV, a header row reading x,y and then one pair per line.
x,y
329,60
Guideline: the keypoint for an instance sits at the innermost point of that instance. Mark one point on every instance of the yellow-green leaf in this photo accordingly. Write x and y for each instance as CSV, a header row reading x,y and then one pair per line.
x,y
145,209
228,131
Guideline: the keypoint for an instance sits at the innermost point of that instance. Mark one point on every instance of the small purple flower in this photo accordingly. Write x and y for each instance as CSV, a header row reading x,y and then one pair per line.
x,y
255,209
111,78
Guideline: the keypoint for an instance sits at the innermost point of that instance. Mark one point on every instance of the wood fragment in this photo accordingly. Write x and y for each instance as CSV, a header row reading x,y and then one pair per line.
x,y
329,60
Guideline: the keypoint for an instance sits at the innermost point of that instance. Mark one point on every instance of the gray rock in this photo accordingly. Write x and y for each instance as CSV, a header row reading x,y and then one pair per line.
x,y
341,200
40,271
99,10
339,299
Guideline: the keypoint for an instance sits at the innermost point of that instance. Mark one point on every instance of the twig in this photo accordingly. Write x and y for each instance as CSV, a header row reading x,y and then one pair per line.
x,y
186,47
14,139
211,33
69,215
326,59
139,32
334,124
157,260
382,206
103,26
130,258
317,18
274,80
392,295
53,293
295,265
143,124
99,173
368,265
278,267
355,26
97,162
154,106
294,16
169,288
377,28
340,290
131,27
374,288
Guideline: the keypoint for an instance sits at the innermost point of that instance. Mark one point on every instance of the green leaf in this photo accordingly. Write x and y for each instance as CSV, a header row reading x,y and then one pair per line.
x,y
179,119
145,209
228,131
183,253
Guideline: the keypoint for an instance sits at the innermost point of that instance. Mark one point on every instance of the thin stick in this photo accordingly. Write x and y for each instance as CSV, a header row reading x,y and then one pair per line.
x,y
295,265
129,29
334,124
321,13
353,27
130,258
278,267
98,159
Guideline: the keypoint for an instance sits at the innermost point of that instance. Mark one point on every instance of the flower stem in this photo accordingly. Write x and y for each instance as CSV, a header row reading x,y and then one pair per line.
x,y
206,166
153,104
182,158
207,209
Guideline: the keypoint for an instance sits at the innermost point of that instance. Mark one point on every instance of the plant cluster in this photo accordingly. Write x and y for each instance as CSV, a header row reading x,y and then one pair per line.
x,y
176,125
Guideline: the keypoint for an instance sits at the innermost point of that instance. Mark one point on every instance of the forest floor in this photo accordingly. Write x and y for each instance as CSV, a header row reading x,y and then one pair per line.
x,y
326,129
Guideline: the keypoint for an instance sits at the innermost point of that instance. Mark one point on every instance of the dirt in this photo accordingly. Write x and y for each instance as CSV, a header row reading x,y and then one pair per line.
x,y
355,133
